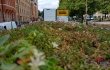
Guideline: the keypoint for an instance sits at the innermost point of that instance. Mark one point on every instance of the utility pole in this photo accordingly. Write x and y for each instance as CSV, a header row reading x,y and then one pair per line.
x,y
2,11
86,12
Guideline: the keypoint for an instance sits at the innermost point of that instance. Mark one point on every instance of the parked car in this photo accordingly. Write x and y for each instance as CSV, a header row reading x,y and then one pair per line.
x,y
7,25
91,17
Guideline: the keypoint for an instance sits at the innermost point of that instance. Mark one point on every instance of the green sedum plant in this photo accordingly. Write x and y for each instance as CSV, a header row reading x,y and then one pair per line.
x,y
75,46
26,57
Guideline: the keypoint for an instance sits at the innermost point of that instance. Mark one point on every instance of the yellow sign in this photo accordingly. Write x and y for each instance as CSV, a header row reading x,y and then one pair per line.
x,y
62,12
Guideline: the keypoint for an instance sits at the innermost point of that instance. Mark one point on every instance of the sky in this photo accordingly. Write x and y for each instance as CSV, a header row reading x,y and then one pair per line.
x,y
47,4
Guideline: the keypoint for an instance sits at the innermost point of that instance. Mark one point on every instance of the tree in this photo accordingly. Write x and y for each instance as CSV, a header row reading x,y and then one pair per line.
x,y
105,4
39,12
75,7
93,7
78,7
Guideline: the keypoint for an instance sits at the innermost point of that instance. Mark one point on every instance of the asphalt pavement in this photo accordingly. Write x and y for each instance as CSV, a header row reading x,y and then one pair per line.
x,y
103,22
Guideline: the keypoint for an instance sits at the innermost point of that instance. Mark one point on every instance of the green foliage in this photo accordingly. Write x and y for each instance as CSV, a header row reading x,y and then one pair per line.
x,y
75,7
22,53
3,39
78,7
79,28
51,65
76,46
3,64
107,56
105,6
93,6
6,66
9,46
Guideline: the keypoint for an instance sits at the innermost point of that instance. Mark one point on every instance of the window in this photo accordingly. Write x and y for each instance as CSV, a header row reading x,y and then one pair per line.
x,y
12,16
17,1
0,1
0,13
8,2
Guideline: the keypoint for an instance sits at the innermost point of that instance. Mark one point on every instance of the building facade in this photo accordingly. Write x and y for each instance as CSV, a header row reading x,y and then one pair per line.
x,y
7,10
34,10
27,10
23,10
18,10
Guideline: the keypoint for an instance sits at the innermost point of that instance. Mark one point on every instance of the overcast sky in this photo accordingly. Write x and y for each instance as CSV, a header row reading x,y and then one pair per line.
x,y
47,4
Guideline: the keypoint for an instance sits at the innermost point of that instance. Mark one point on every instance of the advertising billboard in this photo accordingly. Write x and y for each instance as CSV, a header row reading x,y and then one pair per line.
x,y
49,14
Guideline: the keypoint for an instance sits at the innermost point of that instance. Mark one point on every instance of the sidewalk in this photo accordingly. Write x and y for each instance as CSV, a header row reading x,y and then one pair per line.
x,y
103,24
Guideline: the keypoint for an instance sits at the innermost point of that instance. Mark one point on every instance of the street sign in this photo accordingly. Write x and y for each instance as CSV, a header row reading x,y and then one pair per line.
x,y
62,15
62,12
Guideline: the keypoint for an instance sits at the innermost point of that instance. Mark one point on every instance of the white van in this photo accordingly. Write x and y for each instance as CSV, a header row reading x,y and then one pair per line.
x,y
7,25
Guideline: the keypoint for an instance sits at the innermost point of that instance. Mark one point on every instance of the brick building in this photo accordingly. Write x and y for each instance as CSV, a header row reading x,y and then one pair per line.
x,y
23,10
18,10
7,10
34,10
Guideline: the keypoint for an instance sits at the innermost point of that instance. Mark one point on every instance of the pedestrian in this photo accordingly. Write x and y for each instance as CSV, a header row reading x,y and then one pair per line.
x,y
5,28
16,23
74,18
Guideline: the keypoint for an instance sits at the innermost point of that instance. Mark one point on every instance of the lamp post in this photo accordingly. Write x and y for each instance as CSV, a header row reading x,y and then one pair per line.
x,y
86,12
